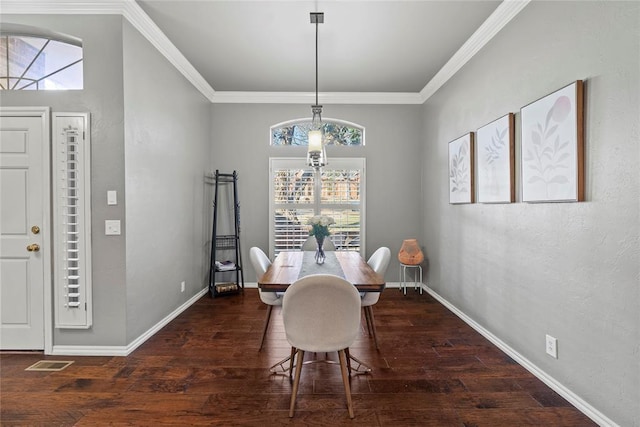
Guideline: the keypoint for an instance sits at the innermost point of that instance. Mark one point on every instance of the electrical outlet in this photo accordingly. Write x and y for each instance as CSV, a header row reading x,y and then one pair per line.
x,y
552,346
182,286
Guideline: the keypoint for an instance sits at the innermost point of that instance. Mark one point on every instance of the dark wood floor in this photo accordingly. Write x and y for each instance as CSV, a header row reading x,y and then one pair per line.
x,y
204,369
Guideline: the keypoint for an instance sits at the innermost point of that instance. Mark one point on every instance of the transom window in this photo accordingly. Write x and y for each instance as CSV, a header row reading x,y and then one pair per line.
x,y
39,63
336,132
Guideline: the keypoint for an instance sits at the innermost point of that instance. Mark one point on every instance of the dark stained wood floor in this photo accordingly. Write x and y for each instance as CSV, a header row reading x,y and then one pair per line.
x,y
204,369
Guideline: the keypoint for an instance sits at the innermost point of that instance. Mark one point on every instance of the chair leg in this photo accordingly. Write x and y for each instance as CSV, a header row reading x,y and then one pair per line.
x,y
345,380
366,318
369,309
291,360
266,326
296,382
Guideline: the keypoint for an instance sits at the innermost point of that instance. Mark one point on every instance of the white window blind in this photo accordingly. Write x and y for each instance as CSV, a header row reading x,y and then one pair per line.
x,y
72,220
299,192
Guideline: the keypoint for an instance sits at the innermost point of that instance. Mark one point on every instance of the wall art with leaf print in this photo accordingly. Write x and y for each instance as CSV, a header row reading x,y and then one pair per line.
x,y
553,147
461,170
496,161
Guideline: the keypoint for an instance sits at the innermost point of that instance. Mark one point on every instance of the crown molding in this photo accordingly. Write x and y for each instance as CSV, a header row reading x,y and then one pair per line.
x,y
500,17
222,97
141,21
131,11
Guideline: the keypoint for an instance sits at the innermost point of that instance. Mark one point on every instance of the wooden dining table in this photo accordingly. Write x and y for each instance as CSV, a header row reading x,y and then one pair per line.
x,y
291,265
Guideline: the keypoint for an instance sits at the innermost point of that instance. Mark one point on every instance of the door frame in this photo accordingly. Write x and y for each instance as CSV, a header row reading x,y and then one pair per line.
x,y
44,113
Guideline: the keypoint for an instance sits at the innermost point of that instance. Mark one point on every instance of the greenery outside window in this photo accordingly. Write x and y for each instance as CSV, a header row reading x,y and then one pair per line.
x,y
335,132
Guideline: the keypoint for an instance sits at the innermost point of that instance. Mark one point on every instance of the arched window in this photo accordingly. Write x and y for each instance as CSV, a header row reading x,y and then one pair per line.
x,y
336,132
39,62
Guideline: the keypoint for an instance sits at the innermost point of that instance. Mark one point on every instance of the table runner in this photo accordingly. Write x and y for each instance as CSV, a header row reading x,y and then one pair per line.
x,y
331,265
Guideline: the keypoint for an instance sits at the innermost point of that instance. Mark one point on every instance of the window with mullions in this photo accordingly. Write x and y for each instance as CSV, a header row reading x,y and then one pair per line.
x,y
299,192
39,63
335,132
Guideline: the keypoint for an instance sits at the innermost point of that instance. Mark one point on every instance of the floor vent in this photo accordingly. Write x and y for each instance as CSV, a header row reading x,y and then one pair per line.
x,y
49,365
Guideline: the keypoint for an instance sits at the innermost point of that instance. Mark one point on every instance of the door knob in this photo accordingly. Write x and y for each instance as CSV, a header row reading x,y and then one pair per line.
x,y
35,229
34,247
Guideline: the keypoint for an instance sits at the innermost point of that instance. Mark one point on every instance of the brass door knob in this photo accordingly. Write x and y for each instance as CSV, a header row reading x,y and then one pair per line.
x,y
34,247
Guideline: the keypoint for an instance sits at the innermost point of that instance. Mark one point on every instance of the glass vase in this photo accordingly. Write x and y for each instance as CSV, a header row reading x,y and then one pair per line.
x,y
320,256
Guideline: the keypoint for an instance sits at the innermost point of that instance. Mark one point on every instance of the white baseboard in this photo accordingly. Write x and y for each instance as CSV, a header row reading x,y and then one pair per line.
x,y
584,407
105,350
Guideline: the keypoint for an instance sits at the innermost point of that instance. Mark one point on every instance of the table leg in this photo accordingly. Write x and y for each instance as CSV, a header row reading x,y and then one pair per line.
x,y
279,367
362,367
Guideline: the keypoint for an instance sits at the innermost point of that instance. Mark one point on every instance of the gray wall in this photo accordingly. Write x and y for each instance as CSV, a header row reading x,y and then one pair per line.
x,y
150,141
167,149
520,270
241,142
570,270
102,96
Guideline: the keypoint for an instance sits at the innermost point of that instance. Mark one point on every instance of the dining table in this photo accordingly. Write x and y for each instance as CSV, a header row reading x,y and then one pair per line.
x,y
290,266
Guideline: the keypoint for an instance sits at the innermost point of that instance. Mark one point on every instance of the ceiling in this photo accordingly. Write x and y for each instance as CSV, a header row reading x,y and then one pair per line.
x,y
363,46
263,51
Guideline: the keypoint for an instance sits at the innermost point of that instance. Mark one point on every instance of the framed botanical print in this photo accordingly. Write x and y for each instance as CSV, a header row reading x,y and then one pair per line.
x,y
553,147
461,170
495,156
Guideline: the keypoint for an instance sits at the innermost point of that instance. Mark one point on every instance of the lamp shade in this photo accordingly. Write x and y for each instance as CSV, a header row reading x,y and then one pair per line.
x,y
410,252
315,140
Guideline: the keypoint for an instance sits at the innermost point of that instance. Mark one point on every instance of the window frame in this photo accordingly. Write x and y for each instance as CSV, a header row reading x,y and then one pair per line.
x,y
275,163
38,83
73,308
305,123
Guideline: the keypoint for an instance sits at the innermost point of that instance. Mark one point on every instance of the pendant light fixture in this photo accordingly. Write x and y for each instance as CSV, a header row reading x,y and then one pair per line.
x,y
316,155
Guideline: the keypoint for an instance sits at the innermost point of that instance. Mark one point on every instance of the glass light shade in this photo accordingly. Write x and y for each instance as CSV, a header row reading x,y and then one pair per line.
x,y
315,140
410,252
316,156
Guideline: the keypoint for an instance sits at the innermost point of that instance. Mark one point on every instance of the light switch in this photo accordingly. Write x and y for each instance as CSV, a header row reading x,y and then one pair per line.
x,y
112,227
112,197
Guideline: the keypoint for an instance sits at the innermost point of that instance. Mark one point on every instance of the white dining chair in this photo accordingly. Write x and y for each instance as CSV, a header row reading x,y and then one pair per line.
x,y
261,263
379,261
321,313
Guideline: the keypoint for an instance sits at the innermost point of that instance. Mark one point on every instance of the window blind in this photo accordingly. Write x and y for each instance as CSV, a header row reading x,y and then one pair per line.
x,y
298,193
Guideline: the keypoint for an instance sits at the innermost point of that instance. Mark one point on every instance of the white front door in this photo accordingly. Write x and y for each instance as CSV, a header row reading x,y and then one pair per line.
x,y
24,243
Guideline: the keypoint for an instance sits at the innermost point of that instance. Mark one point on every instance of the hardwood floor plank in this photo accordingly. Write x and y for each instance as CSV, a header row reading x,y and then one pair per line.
x,y
204,368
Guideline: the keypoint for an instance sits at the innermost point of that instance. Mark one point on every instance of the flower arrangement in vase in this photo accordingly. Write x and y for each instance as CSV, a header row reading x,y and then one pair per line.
x,y
320,230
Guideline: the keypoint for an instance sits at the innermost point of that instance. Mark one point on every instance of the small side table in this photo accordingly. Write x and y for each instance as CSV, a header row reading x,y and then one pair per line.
x,y
403,277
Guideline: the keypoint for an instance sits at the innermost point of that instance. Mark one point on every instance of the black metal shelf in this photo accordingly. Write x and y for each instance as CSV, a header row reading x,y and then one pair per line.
x,y
227,244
